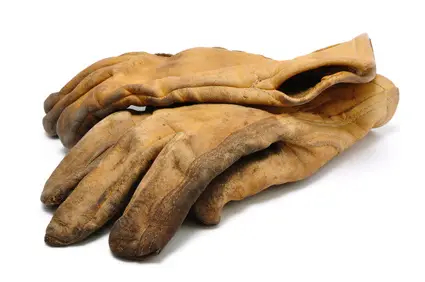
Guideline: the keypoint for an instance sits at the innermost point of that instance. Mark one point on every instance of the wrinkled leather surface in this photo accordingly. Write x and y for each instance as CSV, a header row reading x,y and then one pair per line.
x,y
201,75
200,156
333,121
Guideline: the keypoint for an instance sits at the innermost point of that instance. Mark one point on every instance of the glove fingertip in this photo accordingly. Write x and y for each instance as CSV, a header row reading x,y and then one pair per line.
x,y
51,101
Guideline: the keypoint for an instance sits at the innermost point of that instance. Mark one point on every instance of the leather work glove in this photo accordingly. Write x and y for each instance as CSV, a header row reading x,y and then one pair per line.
x,y
201,75
159,165
351,109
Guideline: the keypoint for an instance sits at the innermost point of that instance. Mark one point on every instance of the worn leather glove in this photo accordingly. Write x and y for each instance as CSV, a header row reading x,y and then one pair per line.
x,y
204,75
175,153
348,111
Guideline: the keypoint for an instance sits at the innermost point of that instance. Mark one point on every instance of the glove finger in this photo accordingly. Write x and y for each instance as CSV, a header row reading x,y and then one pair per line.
x,y
90,82
174,182
257,172
77,118
86,155
104,191
53,98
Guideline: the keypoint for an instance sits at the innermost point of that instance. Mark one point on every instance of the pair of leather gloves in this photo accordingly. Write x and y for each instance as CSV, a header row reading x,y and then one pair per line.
x,y
253,122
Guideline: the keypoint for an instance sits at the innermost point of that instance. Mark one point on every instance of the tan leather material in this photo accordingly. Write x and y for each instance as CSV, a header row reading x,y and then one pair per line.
x,y
201,75
181,136
86,155
346,112
53,98
202,156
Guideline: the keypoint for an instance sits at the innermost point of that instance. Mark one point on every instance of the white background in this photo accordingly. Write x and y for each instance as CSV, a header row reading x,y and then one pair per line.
x,y
361,218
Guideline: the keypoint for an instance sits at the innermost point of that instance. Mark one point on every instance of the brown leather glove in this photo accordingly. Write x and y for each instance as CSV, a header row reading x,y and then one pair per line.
x,y
204,75
347,112
175,153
